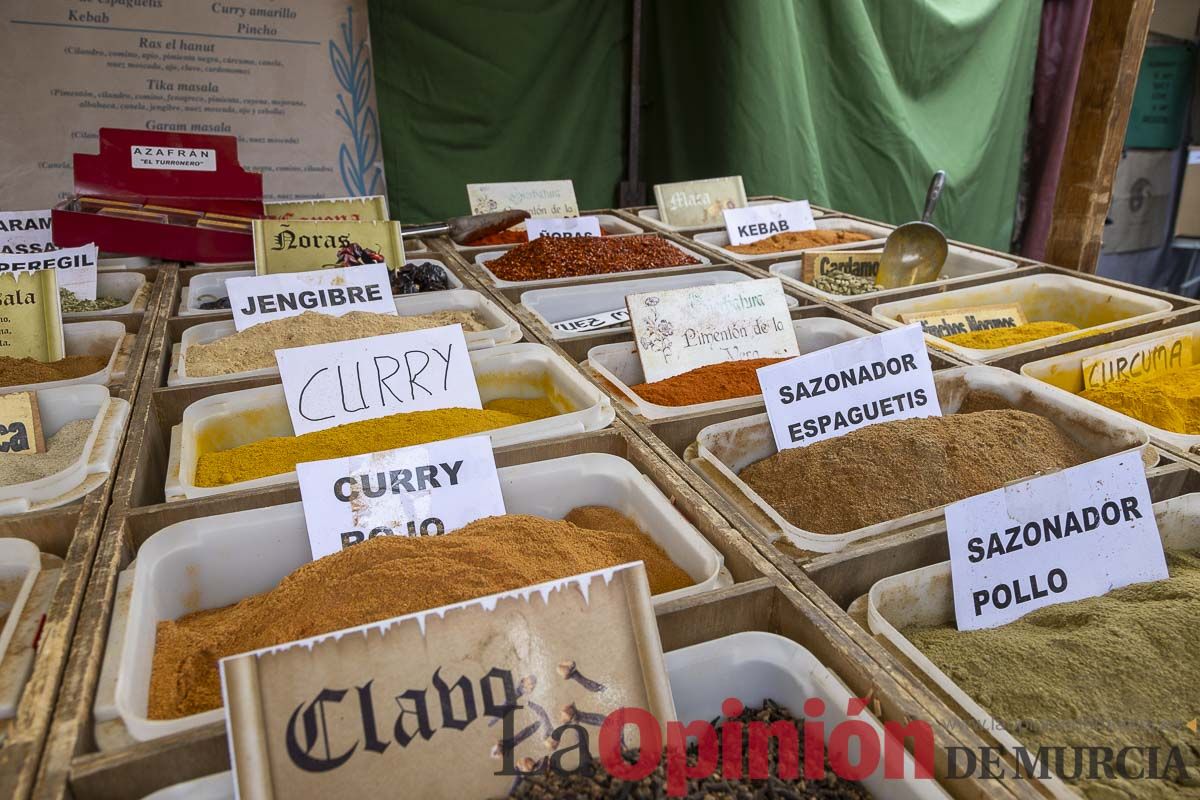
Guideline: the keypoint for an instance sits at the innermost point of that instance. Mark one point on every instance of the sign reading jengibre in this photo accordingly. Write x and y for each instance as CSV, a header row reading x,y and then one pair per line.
x,y
452,703
292,80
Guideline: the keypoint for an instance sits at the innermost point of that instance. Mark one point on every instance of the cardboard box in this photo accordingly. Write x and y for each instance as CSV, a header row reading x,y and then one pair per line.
x,y
1160,101
1142,194
1175,18
1187,216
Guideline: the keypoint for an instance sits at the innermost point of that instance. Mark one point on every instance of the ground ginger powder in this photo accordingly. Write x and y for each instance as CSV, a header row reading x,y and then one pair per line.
x,y
996,338
280,454
389,576
1114,671
1170,401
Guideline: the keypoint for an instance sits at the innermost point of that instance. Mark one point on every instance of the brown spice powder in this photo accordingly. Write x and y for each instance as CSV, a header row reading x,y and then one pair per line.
x,y
886,471
798,240
722,381
548,257
390,576
20,371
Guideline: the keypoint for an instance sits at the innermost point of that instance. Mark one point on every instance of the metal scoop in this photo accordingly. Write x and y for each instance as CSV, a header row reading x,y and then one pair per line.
x,y
916,251
464,230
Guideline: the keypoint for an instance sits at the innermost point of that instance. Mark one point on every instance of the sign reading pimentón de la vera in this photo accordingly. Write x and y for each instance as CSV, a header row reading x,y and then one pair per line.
x,y
452,703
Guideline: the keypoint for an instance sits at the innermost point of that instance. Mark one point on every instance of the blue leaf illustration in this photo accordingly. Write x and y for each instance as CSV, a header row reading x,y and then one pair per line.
x,y
357,160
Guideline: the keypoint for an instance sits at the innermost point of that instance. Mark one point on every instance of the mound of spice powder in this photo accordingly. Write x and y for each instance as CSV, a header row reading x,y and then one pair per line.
x,y
1170,401
1105,672
798,240
593,781
996,338
892,469
510,236
20,371
390,576
723,381
549,257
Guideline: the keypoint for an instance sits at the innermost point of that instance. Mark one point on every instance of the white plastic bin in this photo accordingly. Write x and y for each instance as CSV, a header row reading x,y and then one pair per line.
x,y
20,563
729,447
572,302
610,225
925,597
484,258
211,562
57,407
1065,373
1094,307
719,240
516,370
94,338
128,286
109,262
961,265
618,363
502,329
651,217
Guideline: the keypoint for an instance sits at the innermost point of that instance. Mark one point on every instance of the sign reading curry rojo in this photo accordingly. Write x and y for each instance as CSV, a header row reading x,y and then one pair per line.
x,y
452,703
342,382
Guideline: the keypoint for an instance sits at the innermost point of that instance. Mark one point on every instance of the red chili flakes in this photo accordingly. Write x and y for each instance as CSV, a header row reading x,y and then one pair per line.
x,y
549,257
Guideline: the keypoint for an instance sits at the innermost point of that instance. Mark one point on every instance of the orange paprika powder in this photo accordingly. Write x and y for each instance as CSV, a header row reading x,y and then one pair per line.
x,y
723,381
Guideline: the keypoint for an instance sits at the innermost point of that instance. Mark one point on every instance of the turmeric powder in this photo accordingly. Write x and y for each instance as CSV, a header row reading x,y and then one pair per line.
x,y
995,338
279,454
1170,401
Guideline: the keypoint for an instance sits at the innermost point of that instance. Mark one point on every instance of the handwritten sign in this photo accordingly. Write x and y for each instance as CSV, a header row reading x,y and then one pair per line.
x,y
1066,536
1139,361
562,227
678,330
863,263
24,232
539,198
751,223
849,386
31,316
703,202
593,322
342,382
455,701
336,292
302,245
426,490
953,321
21,424
76,267
343,209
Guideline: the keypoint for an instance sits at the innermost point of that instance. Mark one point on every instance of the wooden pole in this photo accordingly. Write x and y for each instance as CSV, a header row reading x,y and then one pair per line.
x,y
1112,53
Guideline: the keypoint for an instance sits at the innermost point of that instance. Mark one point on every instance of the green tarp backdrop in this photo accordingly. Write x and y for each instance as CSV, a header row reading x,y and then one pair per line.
x,y
850,103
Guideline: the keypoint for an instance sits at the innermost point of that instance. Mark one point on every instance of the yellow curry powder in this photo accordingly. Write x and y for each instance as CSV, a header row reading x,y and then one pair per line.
x,y
1007,337
1170,401
279,454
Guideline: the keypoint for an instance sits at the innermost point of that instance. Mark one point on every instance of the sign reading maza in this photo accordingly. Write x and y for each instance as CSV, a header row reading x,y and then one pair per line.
x,y
678,330
704,202
452,703
1066,536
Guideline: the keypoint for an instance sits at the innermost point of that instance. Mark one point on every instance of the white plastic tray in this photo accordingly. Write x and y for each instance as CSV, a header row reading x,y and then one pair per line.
x,y
482,260
719,240
211,562
212,284
752,666
618,363
20,563
96,337
58,407
651,217
129,286
961,265
1094,307
516,370
610,225
502,329
729,447
572,302
925,597
1065,373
